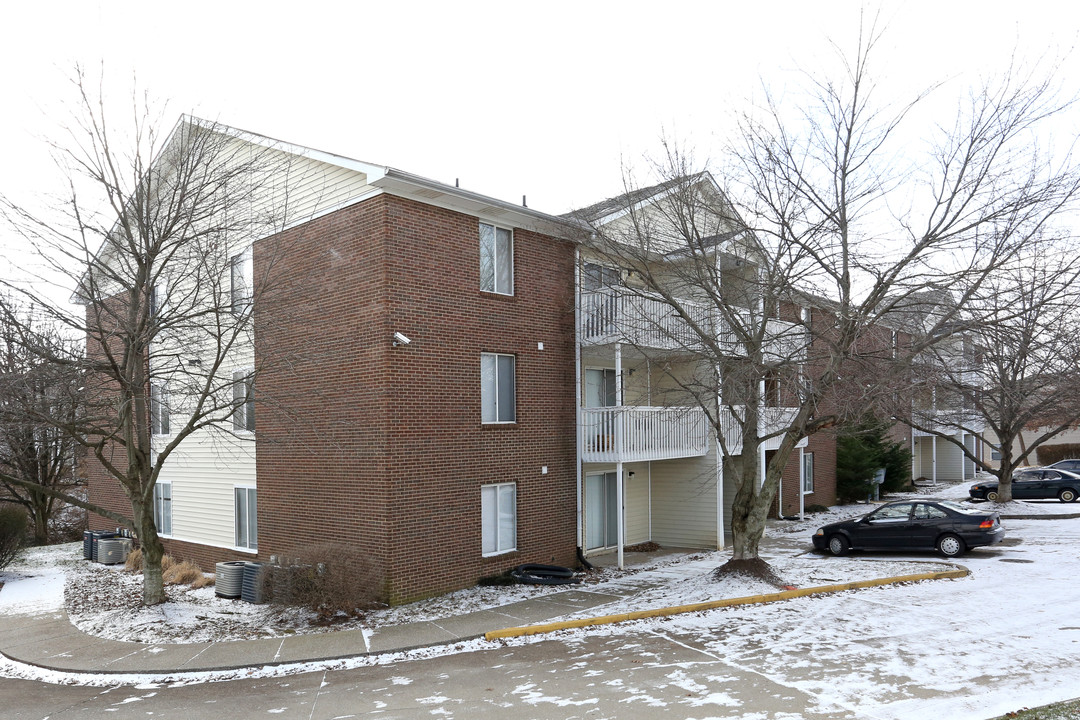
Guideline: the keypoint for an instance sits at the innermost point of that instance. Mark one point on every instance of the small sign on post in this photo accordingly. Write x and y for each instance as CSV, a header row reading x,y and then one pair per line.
x,y
879,480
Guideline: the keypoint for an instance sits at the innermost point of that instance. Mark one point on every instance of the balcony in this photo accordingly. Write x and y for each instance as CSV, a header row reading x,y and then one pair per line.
x,y
610,316
949,422
648,433
770,420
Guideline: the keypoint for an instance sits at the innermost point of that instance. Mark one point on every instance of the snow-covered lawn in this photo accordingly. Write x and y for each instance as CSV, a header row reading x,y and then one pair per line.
x,y
104,601
925,649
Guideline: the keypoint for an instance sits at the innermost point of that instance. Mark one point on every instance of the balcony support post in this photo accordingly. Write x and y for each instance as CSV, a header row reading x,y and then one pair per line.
x,y
619,490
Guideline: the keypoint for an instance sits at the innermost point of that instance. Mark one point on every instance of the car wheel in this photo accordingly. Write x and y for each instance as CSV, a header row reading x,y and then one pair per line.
x,y
1067,495
838,545
992,496
950,546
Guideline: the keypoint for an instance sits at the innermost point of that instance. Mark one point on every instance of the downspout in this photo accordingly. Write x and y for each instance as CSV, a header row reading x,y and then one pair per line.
x,y
577,396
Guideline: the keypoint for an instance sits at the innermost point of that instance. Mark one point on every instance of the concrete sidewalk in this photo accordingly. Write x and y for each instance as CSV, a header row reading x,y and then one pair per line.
x,y
51,641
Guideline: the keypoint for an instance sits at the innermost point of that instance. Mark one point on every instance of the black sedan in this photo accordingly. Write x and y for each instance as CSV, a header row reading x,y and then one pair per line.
x,y
1033,484
946,526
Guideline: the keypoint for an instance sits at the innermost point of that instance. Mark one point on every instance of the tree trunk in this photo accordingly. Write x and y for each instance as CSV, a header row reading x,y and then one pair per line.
x,y
152,552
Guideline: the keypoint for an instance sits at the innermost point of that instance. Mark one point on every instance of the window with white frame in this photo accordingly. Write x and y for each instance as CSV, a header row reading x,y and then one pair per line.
x,y
498,518
247,531
808,472
242,281
497,393
243,391
595,276
163,507
496,259
159,410
157,300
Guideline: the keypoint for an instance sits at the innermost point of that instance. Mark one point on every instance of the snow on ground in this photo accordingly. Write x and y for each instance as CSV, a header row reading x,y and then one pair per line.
x,y
104,601
924,649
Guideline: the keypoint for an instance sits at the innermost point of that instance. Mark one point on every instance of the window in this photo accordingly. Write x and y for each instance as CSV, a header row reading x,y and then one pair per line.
x,y
497,388
995,452
498,518
892,513
242,276
929,512
159,410
157,300
808,472
496,259
243,401
163,507
247,531
599,277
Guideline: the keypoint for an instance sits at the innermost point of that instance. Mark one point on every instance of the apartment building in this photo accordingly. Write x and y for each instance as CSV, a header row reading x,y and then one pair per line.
x,y
452,385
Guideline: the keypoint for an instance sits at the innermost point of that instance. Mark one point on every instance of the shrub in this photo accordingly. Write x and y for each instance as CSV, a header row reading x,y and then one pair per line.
x,y
12,533
863,449
330,580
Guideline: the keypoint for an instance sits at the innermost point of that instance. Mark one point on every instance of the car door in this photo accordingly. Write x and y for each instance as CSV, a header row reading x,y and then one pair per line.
x,y
885,528
927,523
1026,484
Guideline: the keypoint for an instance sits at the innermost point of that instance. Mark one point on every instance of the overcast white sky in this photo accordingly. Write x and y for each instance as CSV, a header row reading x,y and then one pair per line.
x,y
541,99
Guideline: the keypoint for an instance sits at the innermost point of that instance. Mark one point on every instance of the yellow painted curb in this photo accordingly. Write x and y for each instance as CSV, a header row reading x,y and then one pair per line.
x,y
712,604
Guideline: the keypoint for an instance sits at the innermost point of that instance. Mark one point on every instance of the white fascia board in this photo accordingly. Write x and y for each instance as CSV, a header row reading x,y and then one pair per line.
x,y
372,171
432,192
416,187
659,195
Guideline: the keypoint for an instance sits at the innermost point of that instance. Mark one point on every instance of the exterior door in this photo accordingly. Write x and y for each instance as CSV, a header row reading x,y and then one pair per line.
x,y
601,510
600,393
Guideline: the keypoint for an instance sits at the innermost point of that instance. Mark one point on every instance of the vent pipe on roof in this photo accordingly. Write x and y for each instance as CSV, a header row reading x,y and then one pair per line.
x,y
457,182
523,201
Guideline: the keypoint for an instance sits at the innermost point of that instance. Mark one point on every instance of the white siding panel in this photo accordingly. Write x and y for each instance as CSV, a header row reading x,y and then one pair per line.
x,y
684,502
637,504
203,473
949,458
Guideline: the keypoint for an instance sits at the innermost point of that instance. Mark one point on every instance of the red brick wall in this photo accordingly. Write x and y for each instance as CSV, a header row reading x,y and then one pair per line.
x,y
823,445
382,448
440,453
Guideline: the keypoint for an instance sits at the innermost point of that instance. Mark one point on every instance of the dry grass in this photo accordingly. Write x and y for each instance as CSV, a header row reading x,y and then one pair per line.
x,y
172,571
182,573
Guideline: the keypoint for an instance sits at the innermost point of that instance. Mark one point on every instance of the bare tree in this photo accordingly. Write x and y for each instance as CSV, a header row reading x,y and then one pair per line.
x,y
31,388
155,235
1015,367
786,280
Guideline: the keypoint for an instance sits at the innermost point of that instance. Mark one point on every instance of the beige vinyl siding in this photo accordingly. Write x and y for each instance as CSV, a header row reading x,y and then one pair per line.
x,y
684,502
637,503
203,472
949,459
312,188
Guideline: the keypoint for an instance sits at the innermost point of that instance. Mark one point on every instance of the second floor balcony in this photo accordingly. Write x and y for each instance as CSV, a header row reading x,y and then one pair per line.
x,y
642,320
634,433
770,420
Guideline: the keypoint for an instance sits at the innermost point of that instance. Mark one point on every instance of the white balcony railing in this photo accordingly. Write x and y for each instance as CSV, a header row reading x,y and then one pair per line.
x,y
770,420
648,433
948,422
612,316
609,316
